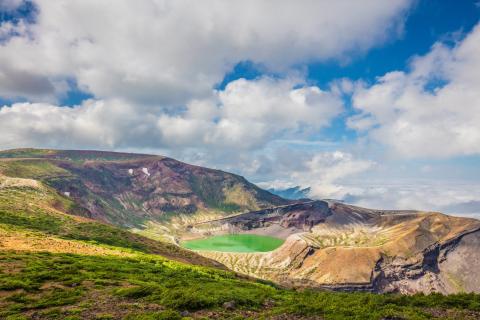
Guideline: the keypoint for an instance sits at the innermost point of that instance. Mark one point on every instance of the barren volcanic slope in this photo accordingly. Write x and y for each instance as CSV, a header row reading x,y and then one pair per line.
x,y
337,246
327,244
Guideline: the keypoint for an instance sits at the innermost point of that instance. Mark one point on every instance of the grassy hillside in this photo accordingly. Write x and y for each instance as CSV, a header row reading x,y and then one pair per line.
x,y
69,286
28,205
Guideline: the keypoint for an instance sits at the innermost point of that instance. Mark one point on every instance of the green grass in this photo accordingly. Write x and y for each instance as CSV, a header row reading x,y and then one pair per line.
x,y
26,153
53,286
72,155
235,243
32,169
27,208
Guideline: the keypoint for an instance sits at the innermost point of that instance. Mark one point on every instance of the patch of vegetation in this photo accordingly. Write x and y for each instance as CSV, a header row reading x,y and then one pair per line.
x,y
208,190
89,155
54,286
32,168
225,193
163,315
26,153
239,196
72,155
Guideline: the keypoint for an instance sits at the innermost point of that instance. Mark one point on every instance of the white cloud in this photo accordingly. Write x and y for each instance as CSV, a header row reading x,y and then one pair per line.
x,y
327,169
170,51
432,110
323,172
246,115
93,124
252,112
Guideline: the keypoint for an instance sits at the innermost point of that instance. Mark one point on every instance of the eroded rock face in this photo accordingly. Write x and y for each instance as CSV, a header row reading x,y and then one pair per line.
x,y
134,191
296,216
443,267
460,263
350,248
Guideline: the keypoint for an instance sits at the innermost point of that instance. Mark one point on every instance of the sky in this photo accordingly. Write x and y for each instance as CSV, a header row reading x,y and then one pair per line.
x,y
373,102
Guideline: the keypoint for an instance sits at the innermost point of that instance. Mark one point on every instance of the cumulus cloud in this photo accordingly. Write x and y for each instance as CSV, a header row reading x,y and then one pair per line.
x,y
17,84
252,112
93,124
246,115
326,170
171,51
323,172
431,110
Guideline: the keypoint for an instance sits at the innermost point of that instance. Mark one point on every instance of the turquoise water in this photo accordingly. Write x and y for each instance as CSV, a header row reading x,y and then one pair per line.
x,y
235,243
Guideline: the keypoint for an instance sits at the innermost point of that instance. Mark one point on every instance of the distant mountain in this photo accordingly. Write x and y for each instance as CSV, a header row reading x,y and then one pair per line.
x,y
293,193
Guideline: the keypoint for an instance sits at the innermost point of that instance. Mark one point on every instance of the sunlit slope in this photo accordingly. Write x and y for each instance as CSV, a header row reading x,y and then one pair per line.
x,y
33,217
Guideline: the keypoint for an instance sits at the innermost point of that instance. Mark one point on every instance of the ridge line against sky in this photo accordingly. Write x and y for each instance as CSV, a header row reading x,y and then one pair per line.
x,y
373,102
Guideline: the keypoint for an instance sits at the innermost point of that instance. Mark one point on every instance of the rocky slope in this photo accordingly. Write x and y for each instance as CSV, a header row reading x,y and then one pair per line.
x,y
341,247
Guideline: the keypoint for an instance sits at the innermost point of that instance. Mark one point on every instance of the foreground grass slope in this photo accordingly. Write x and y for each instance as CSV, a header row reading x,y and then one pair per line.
x,y
68,286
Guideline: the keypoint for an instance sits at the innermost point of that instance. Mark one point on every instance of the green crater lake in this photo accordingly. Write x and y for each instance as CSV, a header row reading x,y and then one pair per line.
x,y
235,243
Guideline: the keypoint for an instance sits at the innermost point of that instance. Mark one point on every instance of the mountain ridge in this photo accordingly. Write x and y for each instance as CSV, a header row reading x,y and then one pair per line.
x,y
124,189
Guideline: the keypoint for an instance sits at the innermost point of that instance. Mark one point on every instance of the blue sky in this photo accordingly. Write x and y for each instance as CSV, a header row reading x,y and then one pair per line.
x,y
371,101
426,23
